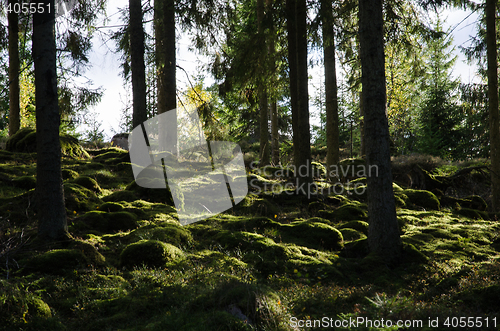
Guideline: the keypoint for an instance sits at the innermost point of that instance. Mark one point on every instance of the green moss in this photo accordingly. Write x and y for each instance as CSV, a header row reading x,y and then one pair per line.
x,y
360,226
25,182
256,207
57,261
152,253
349,212
401,199
25,141
318,170
311,234
69,174
472,213
355,249
121,196
111,206
315,206
423,199
88,183
412,255
111,155
93,220
153,195
121,221
79,198
350,234
166,232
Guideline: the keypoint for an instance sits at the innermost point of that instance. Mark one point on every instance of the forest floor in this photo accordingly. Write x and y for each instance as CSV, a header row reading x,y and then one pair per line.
x,y
276,261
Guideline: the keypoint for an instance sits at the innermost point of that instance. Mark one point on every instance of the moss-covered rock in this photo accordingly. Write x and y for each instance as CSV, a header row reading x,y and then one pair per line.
x,y
400,198
111,156
79,198
350,234
69,174
360,226
105,222
118,196
151,253
312,234
58,261
93,220
88,183
153,195
412,255
24,141
356,249
110,207
166,232
121,221
423,199
471,213
350,212
318,170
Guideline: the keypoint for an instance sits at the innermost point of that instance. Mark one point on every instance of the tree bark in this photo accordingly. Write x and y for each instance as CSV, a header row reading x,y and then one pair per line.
x,y
302,147
291,21
138,68
166,65
262,89
14,108
274,105
331,98
383,232
491,45
275,133
52,224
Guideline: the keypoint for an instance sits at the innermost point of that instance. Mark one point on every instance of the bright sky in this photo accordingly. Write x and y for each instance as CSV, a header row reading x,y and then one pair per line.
x,y
107,73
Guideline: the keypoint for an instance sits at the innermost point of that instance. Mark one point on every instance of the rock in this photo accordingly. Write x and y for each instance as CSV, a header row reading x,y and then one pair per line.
x,y
120,140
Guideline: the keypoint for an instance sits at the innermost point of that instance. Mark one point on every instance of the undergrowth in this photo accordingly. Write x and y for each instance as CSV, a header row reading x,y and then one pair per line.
x,y
276,261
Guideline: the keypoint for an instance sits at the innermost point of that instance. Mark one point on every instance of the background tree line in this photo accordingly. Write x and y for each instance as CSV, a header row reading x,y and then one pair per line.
x,y
398,91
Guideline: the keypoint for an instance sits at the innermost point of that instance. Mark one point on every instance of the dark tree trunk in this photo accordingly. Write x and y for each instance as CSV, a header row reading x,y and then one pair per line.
x,y
332,114
166,66
262,88
274,105
274,133
291,25
383,233
491,44
14,119
139,112
297,44
49,189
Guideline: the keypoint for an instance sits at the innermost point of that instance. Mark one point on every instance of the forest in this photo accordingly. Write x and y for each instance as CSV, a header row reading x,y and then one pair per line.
x,y
250,199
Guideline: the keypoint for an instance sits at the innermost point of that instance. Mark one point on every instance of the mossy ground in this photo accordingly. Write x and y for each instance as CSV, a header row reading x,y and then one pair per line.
x,y
275,256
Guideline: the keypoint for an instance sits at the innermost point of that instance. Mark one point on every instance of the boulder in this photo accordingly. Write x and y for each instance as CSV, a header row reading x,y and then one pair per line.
x,y
120,140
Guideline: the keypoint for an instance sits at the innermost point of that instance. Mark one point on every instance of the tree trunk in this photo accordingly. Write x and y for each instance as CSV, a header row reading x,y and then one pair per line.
x,y
493,103
14,119
291,27
139,108
303,150
166,65
362,147
383,232
274,133
275,147
49,189
262,88
332,114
